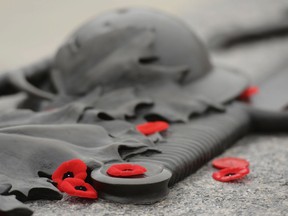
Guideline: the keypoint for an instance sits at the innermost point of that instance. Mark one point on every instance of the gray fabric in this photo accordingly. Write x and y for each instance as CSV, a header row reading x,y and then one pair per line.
x,y
118,78
220,21
258,30
9,205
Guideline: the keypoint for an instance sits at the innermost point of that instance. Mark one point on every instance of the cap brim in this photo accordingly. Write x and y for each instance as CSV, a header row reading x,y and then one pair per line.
x,y
220,85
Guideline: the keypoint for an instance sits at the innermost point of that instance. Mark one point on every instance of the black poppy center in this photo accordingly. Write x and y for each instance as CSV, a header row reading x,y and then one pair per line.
x,y
68,175
230,174
82,188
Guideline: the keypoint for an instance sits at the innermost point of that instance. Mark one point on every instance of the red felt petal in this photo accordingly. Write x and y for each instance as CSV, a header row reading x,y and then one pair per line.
x,y
227,162
230,174
76,167
73,186
126,170
152,127
248,93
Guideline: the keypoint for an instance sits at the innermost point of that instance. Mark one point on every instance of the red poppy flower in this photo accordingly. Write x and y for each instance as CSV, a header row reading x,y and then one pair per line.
x,y
79,188
229,162
248,93
230,174
149,128
70,169
126,170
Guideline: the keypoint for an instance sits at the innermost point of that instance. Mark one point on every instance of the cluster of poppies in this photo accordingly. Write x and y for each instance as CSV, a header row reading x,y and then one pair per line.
x,y
230,169
71,177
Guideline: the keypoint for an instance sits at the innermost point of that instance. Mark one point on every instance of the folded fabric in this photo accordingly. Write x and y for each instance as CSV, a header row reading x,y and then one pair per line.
x,y
250,35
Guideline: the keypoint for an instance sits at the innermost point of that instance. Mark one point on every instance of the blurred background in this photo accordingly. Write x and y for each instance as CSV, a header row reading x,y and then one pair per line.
x,y
32,29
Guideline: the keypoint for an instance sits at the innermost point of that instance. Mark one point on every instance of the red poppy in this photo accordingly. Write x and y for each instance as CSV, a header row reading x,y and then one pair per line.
x,y
149,128
230,174
229,162
75,168
126,170
248,93
77,187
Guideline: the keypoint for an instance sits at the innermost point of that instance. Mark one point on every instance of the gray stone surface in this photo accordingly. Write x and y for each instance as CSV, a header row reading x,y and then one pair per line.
x,y
263,192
